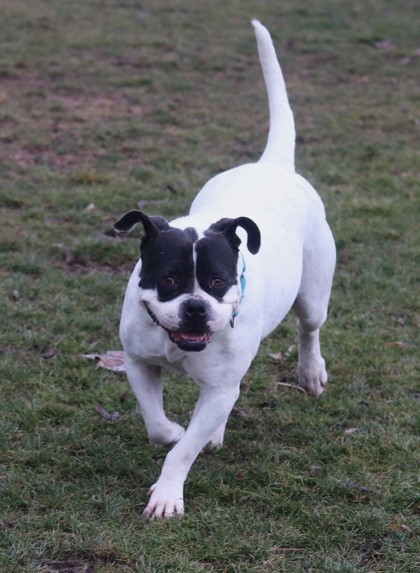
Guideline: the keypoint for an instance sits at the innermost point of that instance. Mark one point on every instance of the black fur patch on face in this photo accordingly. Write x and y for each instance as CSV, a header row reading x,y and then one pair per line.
x,y
167,263
216,264
191,233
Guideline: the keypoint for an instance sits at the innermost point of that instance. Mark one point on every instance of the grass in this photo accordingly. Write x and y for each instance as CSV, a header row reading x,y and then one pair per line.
x,y
105,104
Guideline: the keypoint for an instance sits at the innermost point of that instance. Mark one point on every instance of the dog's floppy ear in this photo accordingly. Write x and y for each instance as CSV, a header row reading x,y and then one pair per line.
x,y
152,225
228,228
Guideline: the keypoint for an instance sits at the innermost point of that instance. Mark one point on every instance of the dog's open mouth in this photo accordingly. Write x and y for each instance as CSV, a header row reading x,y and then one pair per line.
x,y
192,341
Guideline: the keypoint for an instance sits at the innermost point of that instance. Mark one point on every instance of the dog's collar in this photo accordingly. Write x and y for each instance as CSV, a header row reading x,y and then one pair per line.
x,y
243,285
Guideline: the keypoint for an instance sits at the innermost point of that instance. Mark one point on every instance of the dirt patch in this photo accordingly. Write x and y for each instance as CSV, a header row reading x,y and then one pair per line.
x,y
79,563
45,123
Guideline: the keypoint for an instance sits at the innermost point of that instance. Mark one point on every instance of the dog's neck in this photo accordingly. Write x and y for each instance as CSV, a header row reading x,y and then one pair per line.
x,y
241,272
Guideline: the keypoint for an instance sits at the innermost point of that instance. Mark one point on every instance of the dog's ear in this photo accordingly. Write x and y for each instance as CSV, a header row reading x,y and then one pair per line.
x,y
152,225
228,228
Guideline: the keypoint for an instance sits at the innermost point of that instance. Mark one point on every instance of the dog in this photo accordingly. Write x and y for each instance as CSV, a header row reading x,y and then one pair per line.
x,y
210,286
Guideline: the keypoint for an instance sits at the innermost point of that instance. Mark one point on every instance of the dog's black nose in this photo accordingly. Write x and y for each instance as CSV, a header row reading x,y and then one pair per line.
x,y
195,308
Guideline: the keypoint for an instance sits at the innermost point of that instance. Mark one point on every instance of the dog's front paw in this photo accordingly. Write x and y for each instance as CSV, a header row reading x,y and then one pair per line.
x,y
170,434
166,500
313,377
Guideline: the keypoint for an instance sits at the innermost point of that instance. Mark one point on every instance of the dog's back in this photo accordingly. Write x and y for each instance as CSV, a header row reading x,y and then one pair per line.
x,y
282,203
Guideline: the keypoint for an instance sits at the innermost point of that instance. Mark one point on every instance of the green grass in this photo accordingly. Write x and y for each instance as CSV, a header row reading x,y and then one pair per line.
x,y
105,104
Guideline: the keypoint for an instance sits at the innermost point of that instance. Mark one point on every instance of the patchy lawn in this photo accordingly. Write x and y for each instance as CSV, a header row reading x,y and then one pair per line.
x,y
108,104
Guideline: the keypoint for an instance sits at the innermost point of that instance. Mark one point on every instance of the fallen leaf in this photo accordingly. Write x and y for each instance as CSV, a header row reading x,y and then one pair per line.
x,y
351,430
112,360
50,353
112,417
315,470
172,188
384,45
16,295
401,526
356,485
276,356
397,344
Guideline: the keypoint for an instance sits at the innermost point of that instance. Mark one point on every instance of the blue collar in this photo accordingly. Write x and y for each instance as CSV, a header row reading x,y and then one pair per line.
x,y
243,285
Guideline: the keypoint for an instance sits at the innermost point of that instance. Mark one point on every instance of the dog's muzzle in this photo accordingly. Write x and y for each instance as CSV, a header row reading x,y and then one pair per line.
x,y
193,334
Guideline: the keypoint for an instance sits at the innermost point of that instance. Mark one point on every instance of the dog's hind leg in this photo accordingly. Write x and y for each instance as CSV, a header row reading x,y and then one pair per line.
x,y
311,307
147,386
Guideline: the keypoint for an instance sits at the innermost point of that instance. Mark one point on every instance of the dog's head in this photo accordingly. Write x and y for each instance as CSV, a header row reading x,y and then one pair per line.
x,y
190,284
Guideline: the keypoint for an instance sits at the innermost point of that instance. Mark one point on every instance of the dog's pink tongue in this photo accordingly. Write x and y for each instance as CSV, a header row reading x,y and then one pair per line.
x,y
194,337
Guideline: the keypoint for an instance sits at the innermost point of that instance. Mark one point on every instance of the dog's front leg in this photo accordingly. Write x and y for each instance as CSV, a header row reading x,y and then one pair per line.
x,y
210,414
145,380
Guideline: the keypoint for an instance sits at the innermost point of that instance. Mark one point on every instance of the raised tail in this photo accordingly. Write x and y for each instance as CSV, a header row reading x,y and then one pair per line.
x,y
280,146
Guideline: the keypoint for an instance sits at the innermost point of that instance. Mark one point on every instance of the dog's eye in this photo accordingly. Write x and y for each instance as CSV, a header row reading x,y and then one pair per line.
x,y
217,282
168,281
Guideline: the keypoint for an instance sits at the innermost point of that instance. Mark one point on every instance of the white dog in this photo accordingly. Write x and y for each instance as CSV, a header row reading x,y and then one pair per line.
x,y
210,286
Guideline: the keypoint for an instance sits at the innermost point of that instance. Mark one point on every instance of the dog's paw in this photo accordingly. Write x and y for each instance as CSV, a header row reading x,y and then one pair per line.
x,y
170,434
313,377
166,500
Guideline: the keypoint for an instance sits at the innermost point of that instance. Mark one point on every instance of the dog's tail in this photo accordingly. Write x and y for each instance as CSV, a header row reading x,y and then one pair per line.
x,y
280,146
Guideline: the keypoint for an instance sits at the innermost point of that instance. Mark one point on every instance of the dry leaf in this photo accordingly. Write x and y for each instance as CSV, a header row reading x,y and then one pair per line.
x,y
112,360
112,417
404,61
276,356
356,485
16,295
397,344
50,353
384,45
315,470
401,526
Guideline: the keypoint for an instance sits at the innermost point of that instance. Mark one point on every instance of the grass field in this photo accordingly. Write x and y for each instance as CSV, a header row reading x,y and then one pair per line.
x,y
105,104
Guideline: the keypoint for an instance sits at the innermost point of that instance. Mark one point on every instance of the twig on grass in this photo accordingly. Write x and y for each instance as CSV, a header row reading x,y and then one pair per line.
x,y
295,386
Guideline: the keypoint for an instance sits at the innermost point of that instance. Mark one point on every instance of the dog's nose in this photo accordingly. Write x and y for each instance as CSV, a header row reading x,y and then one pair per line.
x,y
195,308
